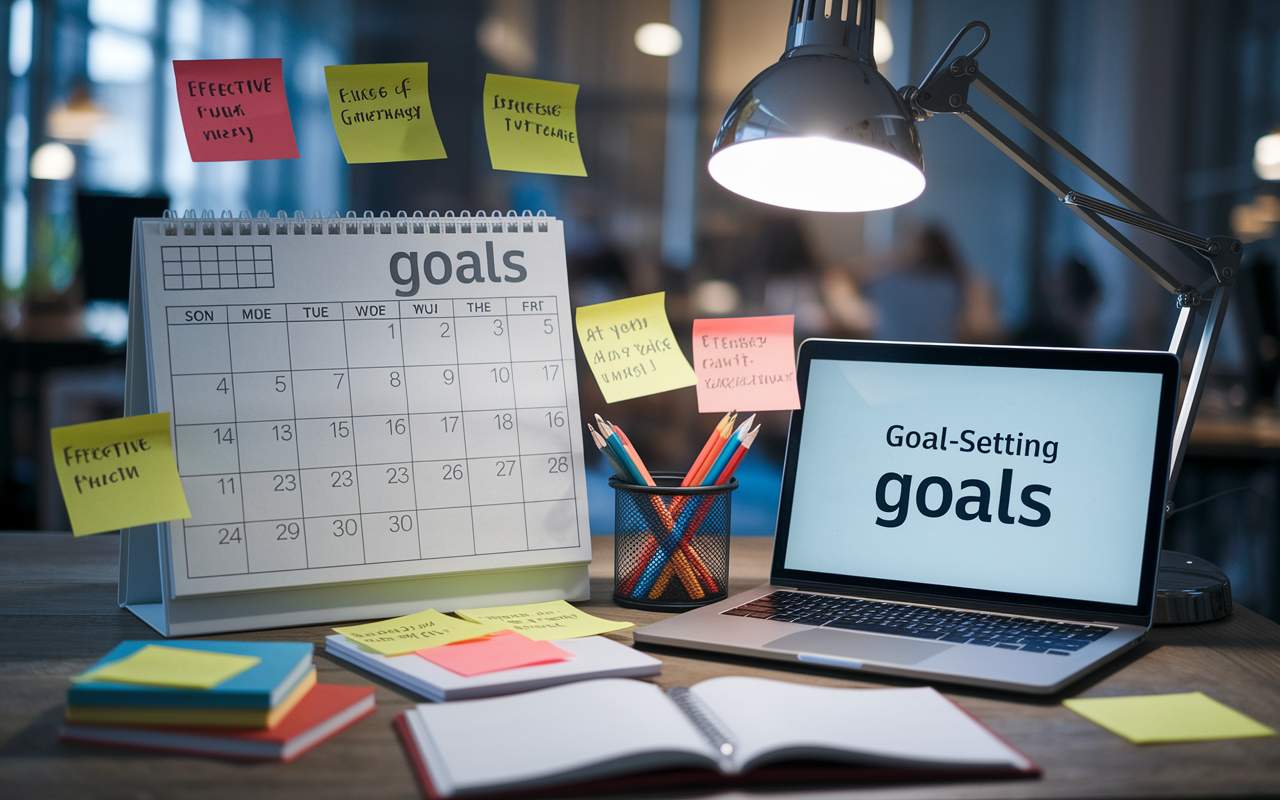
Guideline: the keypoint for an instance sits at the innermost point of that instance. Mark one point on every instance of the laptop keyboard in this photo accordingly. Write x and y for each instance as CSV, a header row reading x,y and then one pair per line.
x,y
922,622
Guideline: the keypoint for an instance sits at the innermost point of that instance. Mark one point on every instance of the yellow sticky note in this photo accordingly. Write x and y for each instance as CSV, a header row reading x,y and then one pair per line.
x,y
382,112
430,628
157,665
118,473
544,621
631,349
1147,719
532,125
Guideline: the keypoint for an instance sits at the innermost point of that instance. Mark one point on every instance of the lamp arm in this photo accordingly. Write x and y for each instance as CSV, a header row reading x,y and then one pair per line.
x,y
946,91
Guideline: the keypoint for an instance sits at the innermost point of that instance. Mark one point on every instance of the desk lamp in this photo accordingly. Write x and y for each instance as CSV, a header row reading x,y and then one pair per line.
x,y
822,130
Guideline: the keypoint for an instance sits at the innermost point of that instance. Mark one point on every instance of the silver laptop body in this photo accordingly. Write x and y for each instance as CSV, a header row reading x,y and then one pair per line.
x,y
1024,483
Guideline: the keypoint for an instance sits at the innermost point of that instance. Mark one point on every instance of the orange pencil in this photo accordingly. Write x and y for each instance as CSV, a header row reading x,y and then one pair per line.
x,y
725,424
715,453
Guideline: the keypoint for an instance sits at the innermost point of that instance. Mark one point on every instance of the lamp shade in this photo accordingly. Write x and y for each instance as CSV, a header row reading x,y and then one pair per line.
x,y
821,130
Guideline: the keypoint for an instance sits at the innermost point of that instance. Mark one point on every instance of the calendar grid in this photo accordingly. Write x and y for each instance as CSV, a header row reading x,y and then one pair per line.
x,y
332,465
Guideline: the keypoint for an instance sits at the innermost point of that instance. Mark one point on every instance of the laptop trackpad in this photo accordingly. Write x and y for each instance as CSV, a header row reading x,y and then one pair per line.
x,y
858,646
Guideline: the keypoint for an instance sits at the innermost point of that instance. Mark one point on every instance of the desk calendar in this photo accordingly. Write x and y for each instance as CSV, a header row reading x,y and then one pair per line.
x,y
370,417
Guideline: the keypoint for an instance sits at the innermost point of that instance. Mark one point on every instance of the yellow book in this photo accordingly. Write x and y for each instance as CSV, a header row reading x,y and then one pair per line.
x,y
195,717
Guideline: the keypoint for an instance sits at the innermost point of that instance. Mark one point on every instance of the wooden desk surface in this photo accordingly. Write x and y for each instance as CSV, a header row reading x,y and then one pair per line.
x,y
58,615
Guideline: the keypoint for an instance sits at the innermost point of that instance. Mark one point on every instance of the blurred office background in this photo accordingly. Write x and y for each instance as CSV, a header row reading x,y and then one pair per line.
x,y
1170,96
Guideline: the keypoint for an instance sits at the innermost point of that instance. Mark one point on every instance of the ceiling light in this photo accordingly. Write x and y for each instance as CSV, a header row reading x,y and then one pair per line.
x,y
53,161
658,39
1266,156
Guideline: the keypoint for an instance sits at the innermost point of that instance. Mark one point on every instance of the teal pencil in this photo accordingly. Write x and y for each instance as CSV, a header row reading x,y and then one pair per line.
x,y
608,454
620,452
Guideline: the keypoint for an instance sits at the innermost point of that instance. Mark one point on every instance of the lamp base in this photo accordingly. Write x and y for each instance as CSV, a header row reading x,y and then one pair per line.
x,y
1190,589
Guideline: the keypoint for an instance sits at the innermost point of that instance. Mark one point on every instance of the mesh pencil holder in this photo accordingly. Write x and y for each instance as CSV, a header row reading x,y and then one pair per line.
x,y
671,543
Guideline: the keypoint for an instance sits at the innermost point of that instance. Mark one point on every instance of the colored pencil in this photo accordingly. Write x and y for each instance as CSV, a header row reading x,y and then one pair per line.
x,y
727,452
690,517
661,520
687,541
668,522
631,451
725,424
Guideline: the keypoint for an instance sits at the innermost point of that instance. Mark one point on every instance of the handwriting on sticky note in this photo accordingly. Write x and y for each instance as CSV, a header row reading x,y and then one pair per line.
x,y
235,109
382,112
118,473
500,651
157,665
532,125
631,349
1185,717
745,362
544,621
430,628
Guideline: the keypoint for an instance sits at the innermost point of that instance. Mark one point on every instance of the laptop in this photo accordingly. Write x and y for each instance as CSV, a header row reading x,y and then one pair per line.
x,y
988,516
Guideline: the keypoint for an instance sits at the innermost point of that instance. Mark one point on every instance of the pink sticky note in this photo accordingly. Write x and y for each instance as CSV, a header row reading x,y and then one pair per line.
x,y
235,109
745,363
499,651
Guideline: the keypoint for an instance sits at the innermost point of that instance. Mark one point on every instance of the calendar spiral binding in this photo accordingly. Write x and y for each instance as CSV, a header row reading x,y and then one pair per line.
x,y
322,224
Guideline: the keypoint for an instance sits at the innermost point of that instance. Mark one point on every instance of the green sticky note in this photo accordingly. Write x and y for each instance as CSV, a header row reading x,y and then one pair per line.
x,y
1148,719
157,665
631,349
382,112
532,126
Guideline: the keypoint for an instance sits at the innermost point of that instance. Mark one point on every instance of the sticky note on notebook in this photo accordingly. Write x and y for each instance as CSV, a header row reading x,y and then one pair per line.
x,y
157,665
235,109
430,628
532,125
381,112
118,473
746,362
631,349
1148,719
499,651
544,621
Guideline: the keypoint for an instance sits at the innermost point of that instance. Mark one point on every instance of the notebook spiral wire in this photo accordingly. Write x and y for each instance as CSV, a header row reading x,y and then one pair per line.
x,y
706,722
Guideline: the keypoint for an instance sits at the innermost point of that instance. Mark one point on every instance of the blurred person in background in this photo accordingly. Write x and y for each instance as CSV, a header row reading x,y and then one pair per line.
x,y
927,295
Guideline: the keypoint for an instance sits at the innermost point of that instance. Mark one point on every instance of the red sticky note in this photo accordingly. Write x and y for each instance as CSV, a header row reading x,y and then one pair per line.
x,y
502,650
235,109
745,363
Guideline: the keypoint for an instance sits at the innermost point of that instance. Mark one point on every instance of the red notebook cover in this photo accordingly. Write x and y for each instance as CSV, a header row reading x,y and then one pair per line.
x,y
325,710
783,774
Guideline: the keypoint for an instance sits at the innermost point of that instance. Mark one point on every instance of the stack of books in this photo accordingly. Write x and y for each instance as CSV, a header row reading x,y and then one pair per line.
x,y
273,710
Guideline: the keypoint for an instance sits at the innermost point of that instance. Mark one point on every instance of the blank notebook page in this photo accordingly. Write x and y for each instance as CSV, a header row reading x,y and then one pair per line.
x,y
488,742
902,727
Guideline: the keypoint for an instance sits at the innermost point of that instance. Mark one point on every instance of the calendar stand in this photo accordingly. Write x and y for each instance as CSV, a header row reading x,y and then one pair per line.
x,y
371,416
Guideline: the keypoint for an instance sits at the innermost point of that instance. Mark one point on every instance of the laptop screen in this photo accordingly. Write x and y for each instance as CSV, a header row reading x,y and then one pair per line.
x,y
990,472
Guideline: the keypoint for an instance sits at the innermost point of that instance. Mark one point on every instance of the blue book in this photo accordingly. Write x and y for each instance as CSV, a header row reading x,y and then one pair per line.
x,y
283,664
